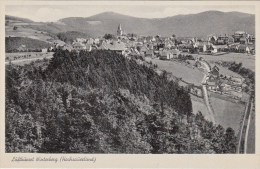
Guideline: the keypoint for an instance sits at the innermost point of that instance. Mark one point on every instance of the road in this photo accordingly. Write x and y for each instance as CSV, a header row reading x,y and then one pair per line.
x,y
29,59
247,130
205,91
243,135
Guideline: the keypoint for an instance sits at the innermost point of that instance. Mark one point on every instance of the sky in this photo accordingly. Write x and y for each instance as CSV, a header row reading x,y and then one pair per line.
x,y
52,13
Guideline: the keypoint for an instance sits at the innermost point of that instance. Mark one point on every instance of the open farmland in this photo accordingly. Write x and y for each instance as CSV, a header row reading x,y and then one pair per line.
x,y
24,31
247,60
179,70
26,57
227,114
199,105
12,43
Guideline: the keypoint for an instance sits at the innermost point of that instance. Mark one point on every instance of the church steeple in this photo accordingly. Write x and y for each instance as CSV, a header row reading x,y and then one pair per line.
x,y
119,30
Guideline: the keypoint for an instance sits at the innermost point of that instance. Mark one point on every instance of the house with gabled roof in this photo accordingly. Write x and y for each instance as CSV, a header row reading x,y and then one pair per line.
x,y
165,55
212,39
78,46
215,70
114,46
230,40
233,48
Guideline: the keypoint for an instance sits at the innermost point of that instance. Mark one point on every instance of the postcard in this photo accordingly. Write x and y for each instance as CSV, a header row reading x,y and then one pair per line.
x,y
119,84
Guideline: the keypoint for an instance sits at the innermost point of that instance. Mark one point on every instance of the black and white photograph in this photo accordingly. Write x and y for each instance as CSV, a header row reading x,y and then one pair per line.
x,y
130,79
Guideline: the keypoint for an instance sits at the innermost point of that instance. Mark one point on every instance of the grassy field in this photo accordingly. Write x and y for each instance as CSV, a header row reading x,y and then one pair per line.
x,y
227,114
224,71
248,61
24,31
199,105
179,70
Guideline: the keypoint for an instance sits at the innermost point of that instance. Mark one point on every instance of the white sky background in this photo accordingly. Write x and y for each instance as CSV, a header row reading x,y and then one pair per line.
x,y
43,13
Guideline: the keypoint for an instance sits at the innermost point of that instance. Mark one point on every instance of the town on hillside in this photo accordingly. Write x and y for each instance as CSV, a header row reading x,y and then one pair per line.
x,y
124,92
170,48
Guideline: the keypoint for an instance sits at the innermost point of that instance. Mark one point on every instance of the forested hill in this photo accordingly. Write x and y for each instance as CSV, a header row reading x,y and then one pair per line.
x,y
106,69
102,102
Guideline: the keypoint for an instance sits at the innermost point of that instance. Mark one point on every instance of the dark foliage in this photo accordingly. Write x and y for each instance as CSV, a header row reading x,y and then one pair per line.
x,y
101,102
185,57
109,36
70,36
13,43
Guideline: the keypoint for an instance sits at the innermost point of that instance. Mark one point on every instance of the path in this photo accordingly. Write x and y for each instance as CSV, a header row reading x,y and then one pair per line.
x,y
243,135
205,92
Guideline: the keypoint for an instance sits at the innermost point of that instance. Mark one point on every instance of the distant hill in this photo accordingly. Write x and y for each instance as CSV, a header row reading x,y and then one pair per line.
x,y
14,18
201,24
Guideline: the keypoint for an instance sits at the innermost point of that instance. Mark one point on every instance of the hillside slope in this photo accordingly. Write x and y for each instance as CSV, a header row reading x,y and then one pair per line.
x,y
13,43
17,19
101,102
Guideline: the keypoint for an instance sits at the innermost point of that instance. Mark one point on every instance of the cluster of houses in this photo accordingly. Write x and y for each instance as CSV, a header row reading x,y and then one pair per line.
x,y
240,42
228,85
129,45
162,47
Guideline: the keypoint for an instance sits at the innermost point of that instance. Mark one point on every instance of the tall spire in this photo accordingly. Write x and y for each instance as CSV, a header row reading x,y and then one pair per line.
x,y
119,30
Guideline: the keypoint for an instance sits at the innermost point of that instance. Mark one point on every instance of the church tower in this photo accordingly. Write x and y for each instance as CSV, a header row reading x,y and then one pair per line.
x,y
119,30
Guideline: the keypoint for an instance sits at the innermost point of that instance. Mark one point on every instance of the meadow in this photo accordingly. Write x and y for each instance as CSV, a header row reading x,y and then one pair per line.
x,y
179,70
227,114
23,31
247,60
199,105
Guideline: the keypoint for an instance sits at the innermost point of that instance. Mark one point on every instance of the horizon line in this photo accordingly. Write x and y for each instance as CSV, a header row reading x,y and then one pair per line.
x,y
133,16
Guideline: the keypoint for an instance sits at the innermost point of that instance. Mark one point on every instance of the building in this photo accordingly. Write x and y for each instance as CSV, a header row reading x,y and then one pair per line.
x,y
233,48
119,47
215,71
222,40
67,47
201,47
88,47
81,40
238,35
243,49
244,40
230,40
90,41
78,46
22,48
149,53
165,55
44,50
212,39
142,49
175,52
119,30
